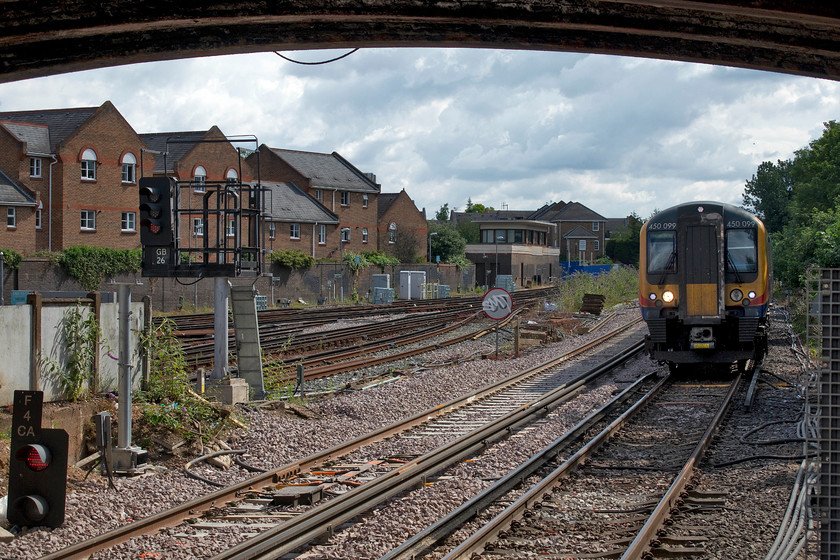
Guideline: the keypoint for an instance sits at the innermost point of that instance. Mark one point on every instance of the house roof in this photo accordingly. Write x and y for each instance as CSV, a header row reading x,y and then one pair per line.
x,y
285,202
577,211
176,145
36,136
580,232
384,201
12,194
61,122
330,171
547,211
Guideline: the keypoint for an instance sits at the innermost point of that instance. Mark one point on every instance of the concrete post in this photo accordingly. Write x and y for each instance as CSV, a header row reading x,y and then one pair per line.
x,y
220,328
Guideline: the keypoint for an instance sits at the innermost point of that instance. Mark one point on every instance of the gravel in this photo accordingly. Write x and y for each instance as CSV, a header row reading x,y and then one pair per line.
x,y
274,438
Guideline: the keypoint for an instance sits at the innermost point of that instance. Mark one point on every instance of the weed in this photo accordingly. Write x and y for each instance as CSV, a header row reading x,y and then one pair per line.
x,y
79,333
618,285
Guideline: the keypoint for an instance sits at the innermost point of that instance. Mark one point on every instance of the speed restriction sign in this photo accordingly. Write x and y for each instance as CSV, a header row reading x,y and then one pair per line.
x,y
497,304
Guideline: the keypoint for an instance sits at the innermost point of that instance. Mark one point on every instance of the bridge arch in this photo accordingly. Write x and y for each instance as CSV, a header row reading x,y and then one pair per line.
x,y
791,36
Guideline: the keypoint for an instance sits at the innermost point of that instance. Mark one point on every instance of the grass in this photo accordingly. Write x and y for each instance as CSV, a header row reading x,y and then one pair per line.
x,y
619,285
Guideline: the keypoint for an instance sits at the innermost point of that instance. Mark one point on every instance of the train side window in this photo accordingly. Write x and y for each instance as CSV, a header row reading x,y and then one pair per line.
x,y
662,251
741,250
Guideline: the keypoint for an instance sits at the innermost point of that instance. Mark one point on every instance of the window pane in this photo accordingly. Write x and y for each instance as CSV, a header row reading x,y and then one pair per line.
x,y
662,251
741,250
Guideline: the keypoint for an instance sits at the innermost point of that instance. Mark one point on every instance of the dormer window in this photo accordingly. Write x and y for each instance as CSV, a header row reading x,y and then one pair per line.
x,y
89,165
129,168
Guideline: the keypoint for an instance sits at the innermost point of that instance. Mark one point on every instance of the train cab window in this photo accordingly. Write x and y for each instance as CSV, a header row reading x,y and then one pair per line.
x,y
662,252
741,250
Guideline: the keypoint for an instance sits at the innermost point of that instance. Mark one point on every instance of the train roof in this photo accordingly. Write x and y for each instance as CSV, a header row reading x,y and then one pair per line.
x,y
728,210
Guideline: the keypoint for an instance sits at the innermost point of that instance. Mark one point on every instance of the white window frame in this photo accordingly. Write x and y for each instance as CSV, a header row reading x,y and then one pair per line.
x,y
345,198
89,161
364,235
364,200
198,227
319,195
88,220
581,244
129,168
597,245
294,231
392,232
35,168
272,230
345,235
128,221
322,234
199,178
38,218
596,226
11,217
232,176
230,230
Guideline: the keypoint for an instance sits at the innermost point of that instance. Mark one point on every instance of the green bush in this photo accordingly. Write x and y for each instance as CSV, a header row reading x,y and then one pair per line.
x,y
11,258
89,265
291,258
379,258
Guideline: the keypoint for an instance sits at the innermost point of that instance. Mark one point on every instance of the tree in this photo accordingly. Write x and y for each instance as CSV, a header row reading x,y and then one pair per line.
x,y
768,194
448,243
623,245
477,208
469,231
816,173
442,215
405,247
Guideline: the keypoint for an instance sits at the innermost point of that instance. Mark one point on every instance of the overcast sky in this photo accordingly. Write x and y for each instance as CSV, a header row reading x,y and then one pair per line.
x,y
508,129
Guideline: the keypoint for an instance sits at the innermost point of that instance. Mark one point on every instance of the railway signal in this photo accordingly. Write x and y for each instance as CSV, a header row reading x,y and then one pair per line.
x,y
37,466
155,211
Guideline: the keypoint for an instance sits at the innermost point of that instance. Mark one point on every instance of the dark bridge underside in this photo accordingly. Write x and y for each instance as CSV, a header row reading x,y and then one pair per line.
x,y
43,37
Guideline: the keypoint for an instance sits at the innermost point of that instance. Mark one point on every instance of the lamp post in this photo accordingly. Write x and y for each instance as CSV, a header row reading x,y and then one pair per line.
x,y
2,280
497,239
341,258
431,234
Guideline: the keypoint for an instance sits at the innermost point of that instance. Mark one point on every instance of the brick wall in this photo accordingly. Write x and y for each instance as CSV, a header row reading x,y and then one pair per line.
x,y
409,220
168,295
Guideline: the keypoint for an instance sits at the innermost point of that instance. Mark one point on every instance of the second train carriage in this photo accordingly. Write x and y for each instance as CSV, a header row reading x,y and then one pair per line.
x,y
704,284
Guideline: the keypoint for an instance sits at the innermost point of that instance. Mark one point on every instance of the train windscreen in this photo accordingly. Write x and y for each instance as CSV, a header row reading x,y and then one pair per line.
x,y
662,252
741,250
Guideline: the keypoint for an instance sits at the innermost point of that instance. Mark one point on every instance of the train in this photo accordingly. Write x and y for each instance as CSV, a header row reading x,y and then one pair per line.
x,y
705,285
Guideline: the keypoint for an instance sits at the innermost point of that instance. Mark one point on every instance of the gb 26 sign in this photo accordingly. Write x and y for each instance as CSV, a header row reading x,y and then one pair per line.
x,y
497,304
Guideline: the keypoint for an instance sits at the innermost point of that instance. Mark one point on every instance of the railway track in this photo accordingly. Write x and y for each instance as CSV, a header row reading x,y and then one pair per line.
x,y
285,330
525,381
595,502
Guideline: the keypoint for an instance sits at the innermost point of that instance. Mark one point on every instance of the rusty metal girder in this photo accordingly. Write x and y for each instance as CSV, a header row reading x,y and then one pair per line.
x,y
40,37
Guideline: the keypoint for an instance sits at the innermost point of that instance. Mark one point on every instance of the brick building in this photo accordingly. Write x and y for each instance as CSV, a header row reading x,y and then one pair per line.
x,y
20,208
296,221
579,232
402,230
335,184
82,165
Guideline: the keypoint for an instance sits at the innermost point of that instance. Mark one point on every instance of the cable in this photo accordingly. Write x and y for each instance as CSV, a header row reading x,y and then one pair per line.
x,y
316,63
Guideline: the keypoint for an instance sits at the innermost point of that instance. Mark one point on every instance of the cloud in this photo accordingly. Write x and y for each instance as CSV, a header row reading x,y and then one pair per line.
x,y
520,128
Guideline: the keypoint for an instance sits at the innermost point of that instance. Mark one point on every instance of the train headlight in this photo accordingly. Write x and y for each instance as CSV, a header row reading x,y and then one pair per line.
x,y
652,297
751,295
736,295
668,296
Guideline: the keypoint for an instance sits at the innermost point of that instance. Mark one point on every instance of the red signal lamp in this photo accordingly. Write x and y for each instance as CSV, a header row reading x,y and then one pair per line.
x,y
36,457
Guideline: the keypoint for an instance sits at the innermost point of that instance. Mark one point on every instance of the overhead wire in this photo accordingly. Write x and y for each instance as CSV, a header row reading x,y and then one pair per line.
x,y
284,57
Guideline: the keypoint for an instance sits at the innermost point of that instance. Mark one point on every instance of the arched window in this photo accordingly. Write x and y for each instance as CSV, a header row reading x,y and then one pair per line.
x,y
129,166
392,233
232,176
89,165
199,177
